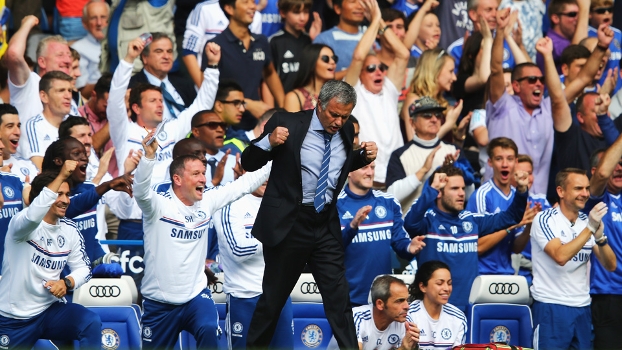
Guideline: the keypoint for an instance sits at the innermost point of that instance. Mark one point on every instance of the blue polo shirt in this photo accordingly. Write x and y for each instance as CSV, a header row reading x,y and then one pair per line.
x,y
244,66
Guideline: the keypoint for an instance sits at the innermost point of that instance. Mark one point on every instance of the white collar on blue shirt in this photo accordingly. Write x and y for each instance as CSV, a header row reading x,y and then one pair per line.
x,y
155,81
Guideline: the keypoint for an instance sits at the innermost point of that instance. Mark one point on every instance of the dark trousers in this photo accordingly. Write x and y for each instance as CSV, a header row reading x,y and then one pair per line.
x,y
309,242
607,320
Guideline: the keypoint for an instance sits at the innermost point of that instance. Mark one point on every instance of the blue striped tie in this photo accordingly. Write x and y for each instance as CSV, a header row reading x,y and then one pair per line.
x,y
322,182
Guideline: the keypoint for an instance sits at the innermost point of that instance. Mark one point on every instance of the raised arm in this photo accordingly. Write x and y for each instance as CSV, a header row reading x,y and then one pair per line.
x,y
397,69
367,40
580,32
115,111
606,166
482,70
195,29
14,57
414,222
144,195
497,82
413,28
518,51
562,120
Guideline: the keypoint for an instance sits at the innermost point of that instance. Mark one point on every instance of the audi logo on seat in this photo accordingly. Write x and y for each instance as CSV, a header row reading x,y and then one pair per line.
x,y
217,288
309,288
105,291
503,288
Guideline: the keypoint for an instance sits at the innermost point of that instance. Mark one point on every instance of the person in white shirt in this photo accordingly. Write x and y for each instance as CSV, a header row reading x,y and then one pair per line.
x,y
174,289
562,242
52,55
10,134
241,256
40,242
55,94
378,88
94,19
441,325
383,325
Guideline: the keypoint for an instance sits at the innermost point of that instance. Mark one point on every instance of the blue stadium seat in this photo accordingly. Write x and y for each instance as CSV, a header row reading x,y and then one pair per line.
x,y
311,329
498,311
120,327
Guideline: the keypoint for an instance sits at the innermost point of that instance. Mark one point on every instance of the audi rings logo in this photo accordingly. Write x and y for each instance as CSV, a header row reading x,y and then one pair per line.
x,y
503,288
309,288
105,291
217,288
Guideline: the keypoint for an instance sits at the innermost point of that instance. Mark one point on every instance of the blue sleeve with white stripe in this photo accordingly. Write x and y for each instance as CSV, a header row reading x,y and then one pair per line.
x,y
493,223
400,241
414,222
82,202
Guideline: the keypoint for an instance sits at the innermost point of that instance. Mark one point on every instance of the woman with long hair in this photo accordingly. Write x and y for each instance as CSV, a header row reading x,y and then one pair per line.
x,y
433,78
430,310
317,66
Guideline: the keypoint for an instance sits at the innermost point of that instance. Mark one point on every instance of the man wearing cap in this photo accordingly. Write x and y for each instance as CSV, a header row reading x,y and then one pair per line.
x,y
412,164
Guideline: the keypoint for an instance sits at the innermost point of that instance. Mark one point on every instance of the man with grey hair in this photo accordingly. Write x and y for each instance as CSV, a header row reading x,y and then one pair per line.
x,y
382,324
94,19
297,221
52,55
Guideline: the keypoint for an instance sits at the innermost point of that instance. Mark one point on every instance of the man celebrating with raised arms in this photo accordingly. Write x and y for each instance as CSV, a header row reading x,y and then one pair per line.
x,y
40,241
175,223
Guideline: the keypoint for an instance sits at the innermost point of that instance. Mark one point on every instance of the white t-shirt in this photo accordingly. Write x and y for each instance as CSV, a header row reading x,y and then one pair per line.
x,y
38,137
379,122
368,335
567,285
448,331
22,168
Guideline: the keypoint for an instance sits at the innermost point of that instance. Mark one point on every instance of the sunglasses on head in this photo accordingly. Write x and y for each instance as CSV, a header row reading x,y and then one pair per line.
x,y
532,79
326,58
213,125
372,67
603,10
235,103
572,14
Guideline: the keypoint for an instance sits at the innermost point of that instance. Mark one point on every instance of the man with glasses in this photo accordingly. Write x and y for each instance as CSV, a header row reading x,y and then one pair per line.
x,y
526,116
601,12
568,26
230,107
411,165
378,88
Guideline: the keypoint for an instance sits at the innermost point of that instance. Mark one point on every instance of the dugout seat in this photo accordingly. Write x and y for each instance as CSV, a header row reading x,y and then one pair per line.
x,y
104,292
311,329
498,311
120,327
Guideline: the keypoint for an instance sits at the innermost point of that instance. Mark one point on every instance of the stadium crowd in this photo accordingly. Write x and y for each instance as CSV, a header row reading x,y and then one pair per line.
x,y
449,139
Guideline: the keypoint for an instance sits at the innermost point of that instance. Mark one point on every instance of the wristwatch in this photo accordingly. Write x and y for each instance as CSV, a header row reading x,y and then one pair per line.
x,y
602,241
68,283
382,30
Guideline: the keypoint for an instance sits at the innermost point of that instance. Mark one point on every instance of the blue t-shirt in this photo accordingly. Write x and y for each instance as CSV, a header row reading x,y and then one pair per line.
x,y
368,249
12,188
271,19
406,7
489,199
601,280
452,238
455,50
342,43
86,218
616,54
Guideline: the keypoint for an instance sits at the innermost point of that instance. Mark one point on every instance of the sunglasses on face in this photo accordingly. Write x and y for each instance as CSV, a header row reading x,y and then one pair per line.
x,y
326,58
603,10
213,125
532,79
235,103
572,14
372,68
438,115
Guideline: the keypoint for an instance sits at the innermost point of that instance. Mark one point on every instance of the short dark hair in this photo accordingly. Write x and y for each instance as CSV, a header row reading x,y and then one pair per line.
x,y
181,146
595,157
156,36
224,3
75,55
448,170
179,164
6,108
42,180
103,84
423,275
286,6
562,176
225,87
557,6
581,101
45,84
381,287
524,158
502,142
198,115
390,15
136,96
64,130
518,69
354,120
56,150
572,53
